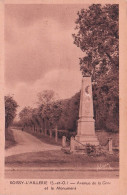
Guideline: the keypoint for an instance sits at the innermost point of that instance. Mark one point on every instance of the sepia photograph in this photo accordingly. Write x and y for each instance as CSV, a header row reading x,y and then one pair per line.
x,y
61,91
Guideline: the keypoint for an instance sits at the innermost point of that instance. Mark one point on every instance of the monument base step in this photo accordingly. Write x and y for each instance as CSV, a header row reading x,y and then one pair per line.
x,y
82,140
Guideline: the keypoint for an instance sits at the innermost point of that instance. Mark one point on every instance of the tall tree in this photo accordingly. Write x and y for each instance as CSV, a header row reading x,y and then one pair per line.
x,y
46,99
25,116
10,110
46,96
98,37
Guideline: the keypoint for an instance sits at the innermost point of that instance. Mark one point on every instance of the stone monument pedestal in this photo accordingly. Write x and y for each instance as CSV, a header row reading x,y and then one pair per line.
x,y
86,124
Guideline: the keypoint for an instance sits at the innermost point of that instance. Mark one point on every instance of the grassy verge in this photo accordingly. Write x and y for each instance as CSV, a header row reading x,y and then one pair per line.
x,y
60,159
9,139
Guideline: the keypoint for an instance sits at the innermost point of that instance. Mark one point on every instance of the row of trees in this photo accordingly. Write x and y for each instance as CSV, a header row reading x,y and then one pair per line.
x,y
64,113
51,113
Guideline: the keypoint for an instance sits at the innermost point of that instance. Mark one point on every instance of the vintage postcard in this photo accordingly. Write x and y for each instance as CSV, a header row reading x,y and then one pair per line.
x,y
63,97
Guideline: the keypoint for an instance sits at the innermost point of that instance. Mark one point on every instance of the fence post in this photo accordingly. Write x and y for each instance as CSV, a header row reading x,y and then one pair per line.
x,y
72,145
50,131
110,145
40,130
56,134
34,128
45,131
63,141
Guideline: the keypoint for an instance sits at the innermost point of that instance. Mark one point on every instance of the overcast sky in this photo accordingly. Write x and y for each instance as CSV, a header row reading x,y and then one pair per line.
x,y
39,51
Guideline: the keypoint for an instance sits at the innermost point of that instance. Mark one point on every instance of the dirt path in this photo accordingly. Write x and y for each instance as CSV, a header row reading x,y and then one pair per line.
x,y
28,143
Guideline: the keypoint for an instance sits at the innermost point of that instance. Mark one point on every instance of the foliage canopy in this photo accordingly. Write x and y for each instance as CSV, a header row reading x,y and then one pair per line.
x,y
10,110
98,37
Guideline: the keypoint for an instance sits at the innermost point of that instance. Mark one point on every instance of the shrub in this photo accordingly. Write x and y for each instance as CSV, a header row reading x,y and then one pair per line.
x,y
93,150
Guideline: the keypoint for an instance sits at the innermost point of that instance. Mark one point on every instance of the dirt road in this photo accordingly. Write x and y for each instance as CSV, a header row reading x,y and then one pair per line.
x,y
28,143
